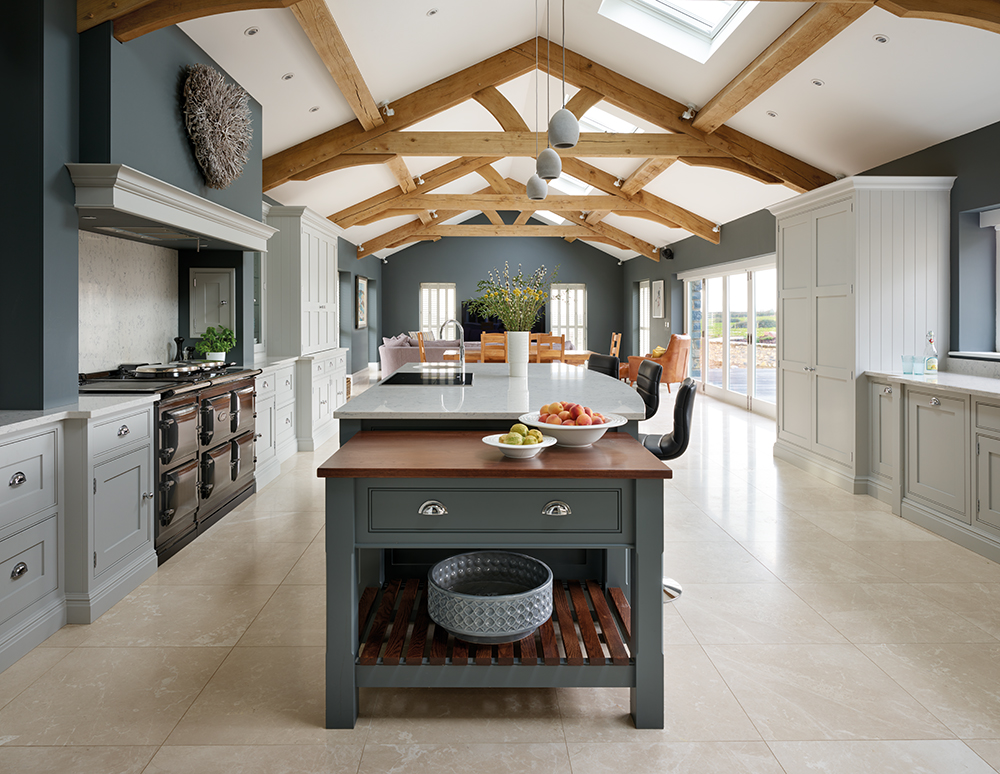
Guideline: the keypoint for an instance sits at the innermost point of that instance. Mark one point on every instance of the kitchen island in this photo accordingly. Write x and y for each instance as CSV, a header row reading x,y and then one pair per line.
x,y
567,507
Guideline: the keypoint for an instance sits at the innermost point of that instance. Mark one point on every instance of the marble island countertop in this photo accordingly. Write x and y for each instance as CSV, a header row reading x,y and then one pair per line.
x,y
494,395
86,407
981,386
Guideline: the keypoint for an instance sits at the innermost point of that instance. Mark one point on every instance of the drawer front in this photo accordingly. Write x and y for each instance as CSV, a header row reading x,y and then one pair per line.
x,y
265,384
121,432
284,424
339,363
29,567
494,510
27,477
988,417
284,384
937,442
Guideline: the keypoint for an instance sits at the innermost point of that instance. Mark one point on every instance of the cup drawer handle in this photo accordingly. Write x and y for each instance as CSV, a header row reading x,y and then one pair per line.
x,y
432,508
19,569
935,401
123,431
887,390
17,479
556,508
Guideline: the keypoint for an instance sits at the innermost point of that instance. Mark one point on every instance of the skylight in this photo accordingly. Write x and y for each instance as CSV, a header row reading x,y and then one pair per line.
x,y
597,120
570,185
694,28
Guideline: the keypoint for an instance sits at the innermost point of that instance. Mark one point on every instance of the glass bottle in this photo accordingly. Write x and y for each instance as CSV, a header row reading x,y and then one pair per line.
x,y
930,354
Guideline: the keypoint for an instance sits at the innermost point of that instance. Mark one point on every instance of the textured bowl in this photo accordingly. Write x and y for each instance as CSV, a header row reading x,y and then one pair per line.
x,y
490,597
518,452
573,435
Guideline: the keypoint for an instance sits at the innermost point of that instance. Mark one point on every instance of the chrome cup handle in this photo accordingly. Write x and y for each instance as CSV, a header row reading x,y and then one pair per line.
x,y
432,508
17,479
556,508
123,431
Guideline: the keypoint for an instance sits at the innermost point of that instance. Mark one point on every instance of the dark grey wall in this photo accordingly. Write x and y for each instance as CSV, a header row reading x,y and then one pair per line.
x,y
975,159
362,344
219,259
39,256
131,113
466,260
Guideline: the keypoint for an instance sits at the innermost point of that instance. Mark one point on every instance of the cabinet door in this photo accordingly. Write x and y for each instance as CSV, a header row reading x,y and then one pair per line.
x,y
266,429
882,449
794,331
320,324
122,507
937,444
988,483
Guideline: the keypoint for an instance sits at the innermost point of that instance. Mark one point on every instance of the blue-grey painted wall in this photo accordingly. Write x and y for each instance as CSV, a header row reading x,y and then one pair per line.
x,y
242,262
466,260
361,343
975,159
39,257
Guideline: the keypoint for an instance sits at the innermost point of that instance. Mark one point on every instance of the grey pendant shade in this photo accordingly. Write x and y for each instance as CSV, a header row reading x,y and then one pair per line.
x,y
564,129
549,165
537,188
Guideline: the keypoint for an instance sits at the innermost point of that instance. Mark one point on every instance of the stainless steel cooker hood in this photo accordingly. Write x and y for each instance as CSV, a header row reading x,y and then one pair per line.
x,y
119,201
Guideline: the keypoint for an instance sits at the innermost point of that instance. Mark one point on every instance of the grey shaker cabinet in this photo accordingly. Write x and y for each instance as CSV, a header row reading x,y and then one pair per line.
x,y
122,505
937,448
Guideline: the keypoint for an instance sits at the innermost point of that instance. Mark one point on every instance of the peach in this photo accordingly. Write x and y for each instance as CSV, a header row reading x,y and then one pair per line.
x,y
584,419
564,415
577,411
553,419
589,412
598,420
569,423
543,417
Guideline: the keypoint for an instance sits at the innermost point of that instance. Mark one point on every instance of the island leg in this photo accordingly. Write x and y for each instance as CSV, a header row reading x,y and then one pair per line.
x,y
646,701
341,605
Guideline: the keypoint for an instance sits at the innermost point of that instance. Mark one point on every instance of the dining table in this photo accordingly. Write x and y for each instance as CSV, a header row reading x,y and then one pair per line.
x,y
577,357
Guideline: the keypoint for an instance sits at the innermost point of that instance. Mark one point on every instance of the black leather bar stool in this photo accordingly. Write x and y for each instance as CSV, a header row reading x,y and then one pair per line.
x,y
604,364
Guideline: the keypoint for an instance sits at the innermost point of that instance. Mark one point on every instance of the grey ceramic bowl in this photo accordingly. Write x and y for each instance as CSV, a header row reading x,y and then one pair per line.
x,y
490,597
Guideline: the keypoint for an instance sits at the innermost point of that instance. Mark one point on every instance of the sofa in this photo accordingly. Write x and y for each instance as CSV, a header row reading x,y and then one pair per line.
x,y
403,349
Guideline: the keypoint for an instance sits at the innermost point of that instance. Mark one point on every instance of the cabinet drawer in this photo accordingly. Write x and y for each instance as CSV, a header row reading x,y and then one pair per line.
x,y
265,384
29,567
988,417
339,363
494,510
121,432
284,424
284,385
27,477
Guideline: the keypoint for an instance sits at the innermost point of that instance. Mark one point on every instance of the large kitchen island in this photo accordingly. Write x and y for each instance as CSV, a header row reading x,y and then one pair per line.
x,y
403,446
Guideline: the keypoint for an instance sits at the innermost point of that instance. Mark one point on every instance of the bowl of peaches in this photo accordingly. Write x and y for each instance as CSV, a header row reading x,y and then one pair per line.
x,y
572,424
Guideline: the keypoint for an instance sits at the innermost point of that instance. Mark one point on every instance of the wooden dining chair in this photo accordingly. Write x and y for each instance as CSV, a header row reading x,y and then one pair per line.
x,y
423,351
493,347
547,351
616,344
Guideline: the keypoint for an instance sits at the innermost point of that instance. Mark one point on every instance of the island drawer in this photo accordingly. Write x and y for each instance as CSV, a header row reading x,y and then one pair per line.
x,y
29,566
27,476
494,511
121,432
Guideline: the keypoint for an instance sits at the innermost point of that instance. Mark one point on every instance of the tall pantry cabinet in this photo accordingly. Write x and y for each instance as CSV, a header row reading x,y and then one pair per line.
x,y
862,276
303,317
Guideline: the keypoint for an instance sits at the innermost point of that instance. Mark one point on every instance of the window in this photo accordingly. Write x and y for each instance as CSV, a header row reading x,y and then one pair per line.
x,y
644,312
991,219
437,305
569,313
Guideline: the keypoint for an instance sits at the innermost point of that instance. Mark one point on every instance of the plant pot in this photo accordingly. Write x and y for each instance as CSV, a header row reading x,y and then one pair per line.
x,y
518,343
216,356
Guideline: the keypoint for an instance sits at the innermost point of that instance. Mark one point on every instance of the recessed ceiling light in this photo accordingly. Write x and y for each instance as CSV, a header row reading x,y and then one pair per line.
x,y
287,76
880,38
314,109
432,11
817,82
251,31
771,114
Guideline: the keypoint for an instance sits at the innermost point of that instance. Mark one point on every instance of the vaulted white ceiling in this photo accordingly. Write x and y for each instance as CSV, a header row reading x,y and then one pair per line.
x,y
879,101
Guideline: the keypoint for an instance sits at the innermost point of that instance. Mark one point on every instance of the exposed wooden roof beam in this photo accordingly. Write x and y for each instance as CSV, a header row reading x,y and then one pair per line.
x,y
494,217
591,144
321,28
621,238
343,161
399,171
133,19
604,181
494,178
732,165
596,216
583,101
523,218
418,238
453,170
514,201
665,112
983,14
501,109
421,104
807,35
490,230
648,171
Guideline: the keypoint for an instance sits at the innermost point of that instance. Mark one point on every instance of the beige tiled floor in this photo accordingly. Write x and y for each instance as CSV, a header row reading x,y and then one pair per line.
x,y
817,633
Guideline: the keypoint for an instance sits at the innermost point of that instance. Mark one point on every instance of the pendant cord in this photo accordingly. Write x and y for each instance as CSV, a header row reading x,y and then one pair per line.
x,y
564,51
536,80
548,68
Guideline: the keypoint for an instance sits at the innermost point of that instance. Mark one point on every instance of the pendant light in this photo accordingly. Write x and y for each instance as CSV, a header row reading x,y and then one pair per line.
x,y
537,188
548,166
564,129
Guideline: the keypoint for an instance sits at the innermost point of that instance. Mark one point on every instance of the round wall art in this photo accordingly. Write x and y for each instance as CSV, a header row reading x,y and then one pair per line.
x,y
218,121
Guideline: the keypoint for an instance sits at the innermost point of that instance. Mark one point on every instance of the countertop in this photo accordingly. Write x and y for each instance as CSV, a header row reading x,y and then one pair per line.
x,y
980,386
265,363
494,395
87,407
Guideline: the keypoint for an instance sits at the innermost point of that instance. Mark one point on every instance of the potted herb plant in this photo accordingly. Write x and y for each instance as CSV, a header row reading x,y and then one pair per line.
x,y
216,342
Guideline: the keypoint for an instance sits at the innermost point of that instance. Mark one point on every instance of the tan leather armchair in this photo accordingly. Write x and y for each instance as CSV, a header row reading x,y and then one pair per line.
x,y
674,361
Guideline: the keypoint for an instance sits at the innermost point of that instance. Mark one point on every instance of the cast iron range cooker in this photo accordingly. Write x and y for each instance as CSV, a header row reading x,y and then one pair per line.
x,y
205,440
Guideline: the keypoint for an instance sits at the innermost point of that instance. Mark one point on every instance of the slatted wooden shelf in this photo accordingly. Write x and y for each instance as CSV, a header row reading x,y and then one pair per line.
x,y
589,627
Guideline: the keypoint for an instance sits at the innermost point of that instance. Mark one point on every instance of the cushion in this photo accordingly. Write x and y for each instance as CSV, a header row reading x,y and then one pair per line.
x,y
447,343
402,340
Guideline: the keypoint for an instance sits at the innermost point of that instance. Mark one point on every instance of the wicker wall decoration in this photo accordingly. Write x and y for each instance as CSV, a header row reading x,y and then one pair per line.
x,y
219,125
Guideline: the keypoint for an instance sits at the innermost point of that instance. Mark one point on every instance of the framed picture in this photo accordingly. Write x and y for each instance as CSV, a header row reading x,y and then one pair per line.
x,y
361,302
657,300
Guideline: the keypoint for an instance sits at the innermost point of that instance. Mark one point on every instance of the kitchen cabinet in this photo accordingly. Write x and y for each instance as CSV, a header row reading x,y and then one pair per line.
x,y
110,526
988,484
32,593
882,401
862,276
276,440
937,448
322,389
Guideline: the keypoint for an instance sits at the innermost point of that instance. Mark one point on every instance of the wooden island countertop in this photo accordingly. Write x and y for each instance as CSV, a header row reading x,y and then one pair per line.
x,y
462,454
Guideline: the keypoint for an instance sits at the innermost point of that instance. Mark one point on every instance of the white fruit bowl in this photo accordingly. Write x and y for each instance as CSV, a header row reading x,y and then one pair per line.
x,y
573,435
519,452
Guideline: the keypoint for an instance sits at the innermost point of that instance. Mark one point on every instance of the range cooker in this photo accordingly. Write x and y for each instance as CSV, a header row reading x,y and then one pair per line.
x,y
205,440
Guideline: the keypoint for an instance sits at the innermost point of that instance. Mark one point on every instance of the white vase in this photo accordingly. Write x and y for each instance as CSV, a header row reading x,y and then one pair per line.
x,y
517,352
216,356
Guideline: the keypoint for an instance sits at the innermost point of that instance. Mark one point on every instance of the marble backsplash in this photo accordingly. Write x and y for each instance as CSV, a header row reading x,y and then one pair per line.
x,y
988,368
128,302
